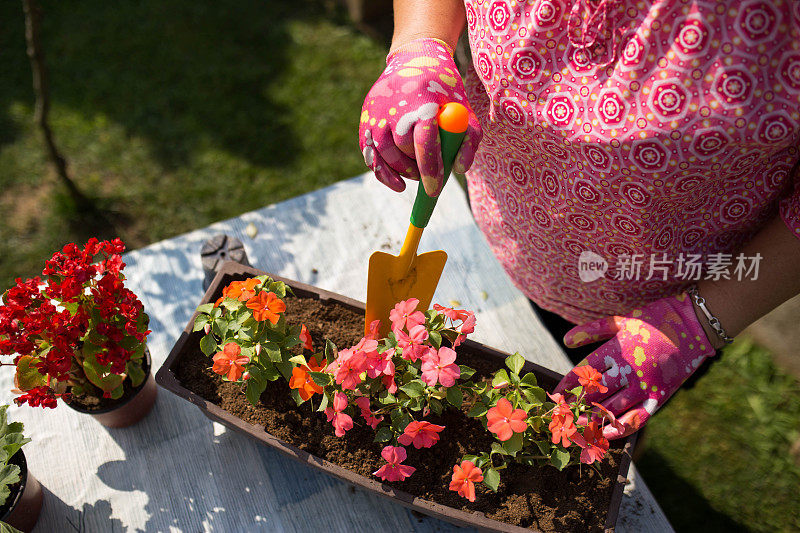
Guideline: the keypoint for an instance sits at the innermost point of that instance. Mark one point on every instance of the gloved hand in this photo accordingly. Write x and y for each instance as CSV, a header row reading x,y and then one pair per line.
x,y
398,134
649,354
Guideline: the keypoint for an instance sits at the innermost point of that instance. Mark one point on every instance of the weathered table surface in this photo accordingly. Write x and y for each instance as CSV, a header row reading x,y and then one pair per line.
x,y
178,471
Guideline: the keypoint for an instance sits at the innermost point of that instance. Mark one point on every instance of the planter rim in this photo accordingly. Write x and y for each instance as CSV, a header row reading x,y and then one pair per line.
x,y
166,378
147,367
22,463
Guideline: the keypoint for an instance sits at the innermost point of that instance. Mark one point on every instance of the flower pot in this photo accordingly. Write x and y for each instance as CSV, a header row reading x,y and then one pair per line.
x,y
185,363
24,504
134,404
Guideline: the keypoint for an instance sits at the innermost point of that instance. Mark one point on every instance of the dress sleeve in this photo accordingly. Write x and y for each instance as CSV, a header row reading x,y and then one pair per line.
x,y
789,206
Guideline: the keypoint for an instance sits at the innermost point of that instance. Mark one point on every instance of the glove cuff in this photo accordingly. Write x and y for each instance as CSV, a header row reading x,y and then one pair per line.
x,y
419,47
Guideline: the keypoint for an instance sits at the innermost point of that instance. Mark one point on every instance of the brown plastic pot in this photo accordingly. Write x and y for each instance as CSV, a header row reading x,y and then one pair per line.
x,y
129,409
25,503
189,341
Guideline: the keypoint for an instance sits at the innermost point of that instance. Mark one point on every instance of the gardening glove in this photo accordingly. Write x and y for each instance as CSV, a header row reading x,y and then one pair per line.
x,y
649,353
398,134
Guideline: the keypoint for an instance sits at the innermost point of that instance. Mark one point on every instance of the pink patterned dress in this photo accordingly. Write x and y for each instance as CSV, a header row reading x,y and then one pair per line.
x,y
623,128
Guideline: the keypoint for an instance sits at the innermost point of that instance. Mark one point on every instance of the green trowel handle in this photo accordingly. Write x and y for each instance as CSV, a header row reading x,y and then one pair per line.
x,y
424,204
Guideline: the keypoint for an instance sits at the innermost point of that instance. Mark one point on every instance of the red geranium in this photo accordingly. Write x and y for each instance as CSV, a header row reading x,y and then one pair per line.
x,y
75,328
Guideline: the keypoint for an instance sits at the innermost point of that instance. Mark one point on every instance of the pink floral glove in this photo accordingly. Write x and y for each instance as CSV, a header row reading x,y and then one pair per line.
x,y
398,133
649,354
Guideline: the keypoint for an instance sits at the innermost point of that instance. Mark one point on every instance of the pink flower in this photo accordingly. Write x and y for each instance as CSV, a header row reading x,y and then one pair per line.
x,y
404,315
380,364
351,365
595,445
468,324
374,330
388,382
412,343
393,470
562,424
363,404
341,421
450,313
504,420
421,434
440,366
464,479
605,414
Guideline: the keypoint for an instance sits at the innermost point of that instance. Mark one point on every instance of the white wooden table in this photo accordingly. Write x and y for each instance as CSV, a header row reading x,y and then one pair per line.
x,y
178,471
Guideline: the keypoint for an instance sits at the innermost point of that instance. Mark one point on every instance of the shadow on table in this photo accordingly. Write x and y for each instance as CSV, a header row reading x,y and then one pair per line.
x,y
686,509
196,475
91,517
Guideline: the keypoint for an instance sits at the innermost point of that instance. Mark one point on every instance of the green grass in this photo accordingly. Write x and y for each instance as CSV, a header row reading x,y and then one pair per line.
x,y
718,456
175,114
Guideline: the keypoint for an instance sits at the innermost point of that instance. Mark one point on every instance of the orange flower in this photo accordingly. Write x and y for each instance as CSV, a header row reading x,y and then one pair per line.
x,y
590,379
503,420
464,479
302,380
266,306
229,362
241,290
305,338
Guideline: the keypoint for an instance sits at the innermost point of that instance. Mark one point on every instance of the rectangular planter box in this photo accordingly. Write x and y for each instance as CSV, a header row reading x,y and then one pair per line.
x,y
189,341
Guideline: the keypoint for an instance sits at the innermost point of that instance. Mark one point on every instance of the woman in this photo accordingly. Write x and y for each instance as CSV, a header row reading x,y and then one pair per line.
x,y
637,171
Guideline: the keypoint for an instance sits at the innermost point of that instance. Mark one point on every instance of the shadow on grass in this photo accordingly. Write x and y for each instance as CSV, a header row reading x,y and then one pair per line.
x,y
686,509
181,74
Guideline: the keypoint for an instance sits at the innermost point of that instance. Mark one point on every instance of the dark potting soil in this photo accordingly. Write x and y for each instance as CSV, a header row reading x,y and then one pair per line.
x,y
542,498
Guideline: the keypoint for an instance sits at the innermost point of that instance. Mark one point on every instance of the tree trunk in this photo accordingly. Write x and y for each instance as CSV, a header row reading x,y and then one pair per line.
x,y
33,15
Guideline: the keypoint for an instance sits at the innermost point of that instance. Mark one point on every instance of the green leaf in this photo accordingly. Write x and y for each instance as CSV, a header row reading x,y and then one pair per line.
x,y
285,369
200,322
436,339
414,388
220,327
436,406
278,287
323,379
205,308
491,478
515,363
384,434
295,393
498,448
7,528
231,305
100,375
208,345
535,395
454,396
529,380
255,387
386,398
9,474
500,378
559,458
478,410
298,360
28,376
513,445
135,372
466,372
273,352
544,446
330,351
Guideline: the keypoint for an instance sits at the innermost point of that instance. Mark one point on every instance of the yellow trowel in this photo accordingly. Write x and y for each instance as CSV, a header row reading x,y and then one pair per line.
x,y
395,278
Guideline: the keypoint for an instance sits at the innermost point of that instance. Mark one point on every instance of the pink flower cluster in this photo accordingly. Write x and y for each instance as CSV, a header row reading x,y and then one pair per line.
x,y
409,346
